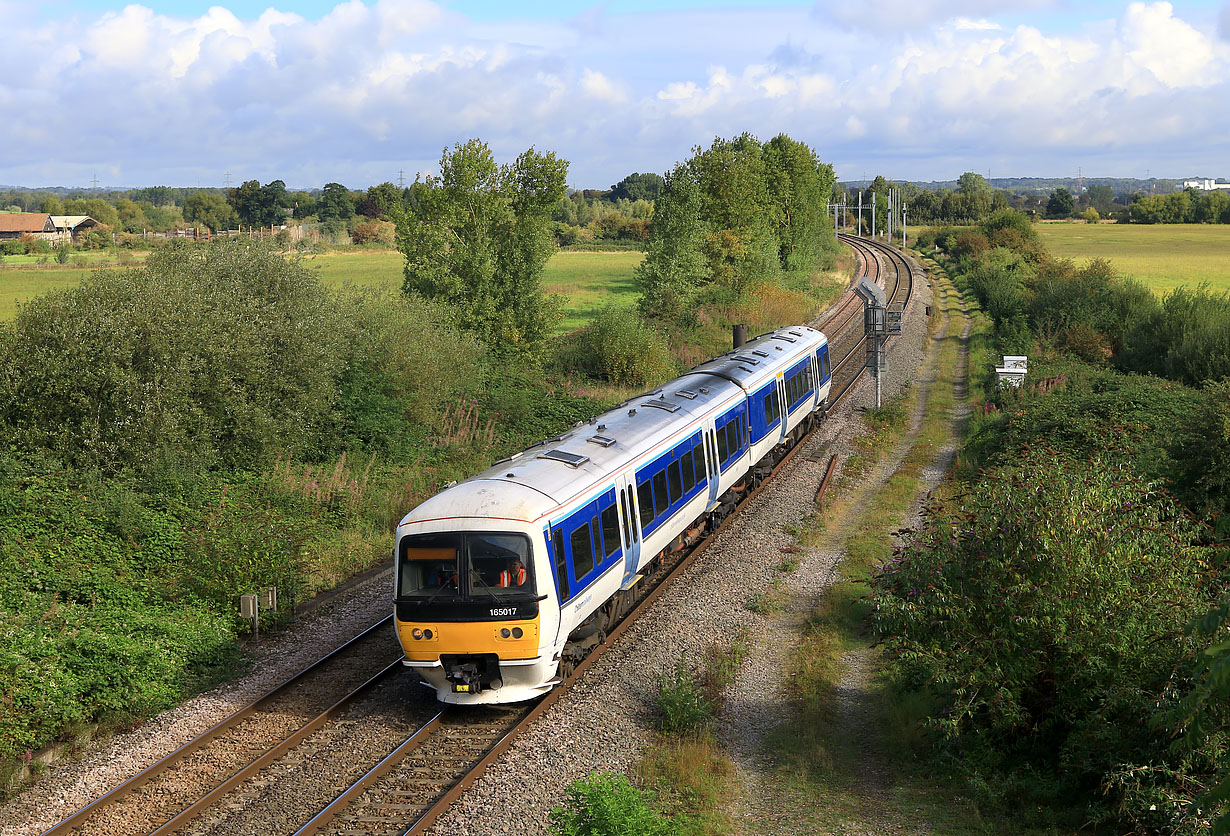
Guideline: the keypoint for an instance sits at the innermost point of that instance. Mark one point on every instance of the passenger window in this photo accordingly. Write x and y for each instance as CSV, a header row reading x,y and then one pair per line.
x,y
689,472
698,459
676,484
722,447
732,437
660,500
582,551
610,530
644,495
561,565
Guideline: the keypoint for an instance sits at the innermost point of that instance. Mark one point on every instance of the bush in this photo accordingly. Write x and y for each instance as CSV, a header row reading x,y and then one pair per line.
x,y
621,348
1187,338
682,703
1046,615
376,233
220,355
608,805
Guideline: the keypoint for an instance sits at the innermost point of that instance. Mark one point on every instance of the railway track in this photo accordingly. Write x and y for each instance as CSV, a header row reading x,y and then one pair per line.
x,y
429,756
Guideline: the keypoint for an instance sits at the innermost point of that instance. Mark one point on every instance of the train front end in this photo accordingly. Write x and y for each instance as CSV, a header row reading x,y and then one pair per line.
x,y
475,605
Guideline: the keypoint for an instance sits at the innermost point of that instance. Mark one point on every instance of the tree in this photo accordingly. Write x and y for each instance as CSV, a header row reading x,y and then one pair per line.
x,y
799,186
637,186
259,205
380,202
971,183
335,203
477,237
1100,197
52,205
674,266
1061,204
209,209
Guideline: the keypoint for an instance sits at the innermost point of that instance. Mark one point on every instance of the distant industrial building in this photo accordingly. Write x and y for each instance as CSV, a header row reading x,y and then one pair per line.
x,y
1203,185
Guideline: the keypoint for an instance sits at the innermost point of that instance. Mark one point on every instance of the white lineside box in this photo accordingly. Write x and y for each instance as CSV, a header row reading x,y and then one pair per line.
x,y
1013,371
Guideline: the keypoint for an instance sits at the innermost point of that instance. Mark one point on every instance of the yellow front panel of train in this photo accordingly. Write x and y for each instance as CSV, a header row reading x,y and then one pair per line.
x,y
425,642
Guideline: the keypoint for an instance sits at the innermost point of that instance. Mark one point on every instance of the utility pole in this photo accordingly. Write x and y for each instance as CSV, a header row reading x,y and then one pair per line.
x,y
859,229
903,226
401,178
228,181
873,214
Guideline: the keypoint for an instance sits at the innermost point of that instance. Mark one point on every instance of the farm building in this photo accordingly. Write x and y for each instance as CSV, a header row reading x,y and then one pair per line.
x,y
70,226
17,224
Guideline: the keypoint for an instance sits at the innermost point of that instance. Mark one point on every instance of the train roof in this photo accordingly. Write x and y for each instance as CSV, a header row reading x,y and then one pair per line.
x,y
579,462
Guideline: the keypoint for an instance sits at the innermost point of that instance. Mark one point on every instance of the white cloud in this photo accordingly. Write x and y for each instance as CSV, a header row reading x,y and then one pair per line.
x,y
900,15
597,86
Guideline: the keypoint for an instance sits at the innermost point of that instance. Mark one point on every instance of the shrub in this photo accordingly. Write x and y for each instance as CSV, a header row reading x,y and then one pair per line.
x,y
621,348
374,232
608,805
219,355
682,703
1046,616
1187,338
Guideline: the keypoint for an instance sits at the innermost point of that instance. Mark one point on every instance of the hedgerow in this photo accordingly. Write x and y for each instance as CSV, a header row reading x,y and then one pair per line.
x,y
1046,614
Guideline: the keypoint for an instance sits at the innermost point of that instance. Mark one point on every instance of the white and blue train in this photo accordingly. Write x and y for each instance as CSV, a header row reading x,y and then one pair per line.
x,y
506,580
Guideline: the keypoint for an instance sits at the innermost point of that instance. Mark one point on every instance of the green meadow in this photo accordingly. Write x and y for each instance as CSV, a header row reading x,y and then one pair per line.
x,y
1163,256
587,280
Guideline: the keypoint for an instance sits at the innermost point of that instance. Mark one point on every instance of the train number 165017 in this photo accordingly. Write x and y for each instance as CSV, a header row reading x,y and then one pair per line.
x,y
502,611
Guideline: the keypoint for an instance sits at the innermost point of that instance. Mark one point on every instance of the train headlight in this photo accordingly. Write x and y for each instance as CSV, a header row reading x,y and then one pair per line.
x,y
517,632
504,632
417,633
427,633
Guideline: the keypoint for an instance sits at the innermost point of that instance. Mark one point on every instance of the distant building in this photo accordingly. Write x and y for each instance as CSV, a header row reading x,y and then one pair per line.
x,y
70,226
17,224
1203,185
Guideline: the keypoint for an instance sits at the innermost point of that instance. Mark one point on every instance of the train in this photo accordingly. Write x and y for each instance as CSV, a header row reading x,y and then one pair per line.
x,y
505,581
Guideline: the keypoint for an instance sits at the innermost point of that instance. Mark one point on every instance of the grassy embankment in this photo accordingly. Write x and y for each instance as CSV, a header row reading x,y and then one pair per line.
x,y
1163,256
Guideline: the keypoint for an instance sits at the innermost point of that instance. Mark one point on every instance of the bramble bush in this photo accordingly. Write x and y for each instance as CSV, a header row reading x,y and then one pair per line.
x,y
1046,617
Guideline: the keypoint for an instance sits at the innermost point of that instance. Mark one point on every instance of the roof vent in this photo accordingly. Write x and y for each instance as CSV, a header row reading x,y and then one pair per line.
x,y
760,353
744,359
704,390
570,459
601,440
663,403
686,393
784,337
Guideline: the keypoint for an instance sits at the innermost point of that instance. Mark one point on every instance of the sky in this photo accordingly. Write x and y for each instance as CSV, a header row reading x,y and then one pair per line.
x,y
191,93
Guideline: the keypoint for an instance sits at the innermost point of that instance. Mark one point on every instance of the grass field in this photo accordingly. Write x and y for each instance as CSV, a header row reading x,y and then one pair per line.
x,y
1164,256
588,280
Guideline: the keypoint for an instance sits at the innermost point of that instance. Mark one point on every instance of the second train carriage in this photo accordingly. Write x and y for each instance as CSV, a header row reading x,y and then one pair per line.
x,y
505,580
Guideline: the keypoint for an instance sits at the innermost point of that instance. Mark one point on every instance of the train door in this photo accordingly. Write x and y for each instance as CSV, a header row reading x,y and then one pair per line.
x,y
712,466
783,405
630,527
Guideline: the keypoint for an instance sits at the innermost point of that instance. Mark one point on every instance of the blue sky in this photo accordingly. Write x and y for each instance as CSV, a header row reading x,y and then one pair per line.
x,y
186,93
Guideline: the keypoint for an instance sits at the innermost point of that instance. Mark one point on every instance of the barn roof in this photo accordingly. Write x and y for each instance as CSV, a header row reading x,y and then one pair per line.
x,y
72,221
26,222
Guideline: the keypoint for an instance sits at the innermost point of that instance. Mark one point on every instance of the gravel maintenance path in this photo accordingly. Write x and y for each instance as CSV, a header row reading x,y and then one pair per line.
x,y
757,702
